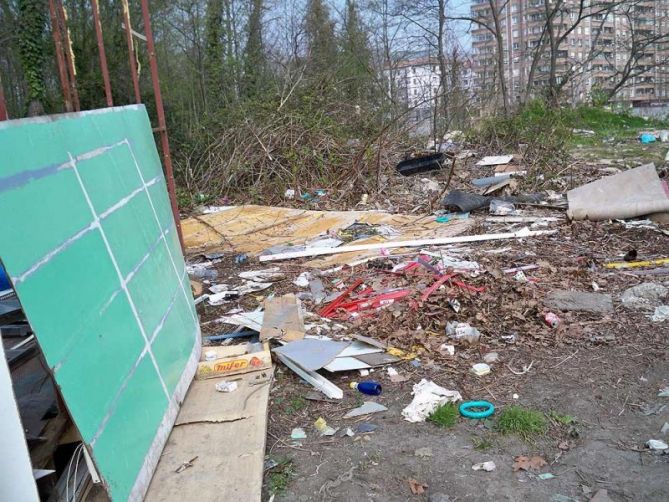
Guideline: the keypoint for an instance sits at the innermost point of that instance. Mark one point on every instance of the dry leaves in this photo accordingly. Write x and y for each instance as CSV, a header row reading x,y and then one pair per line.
x,y
528,463
416,487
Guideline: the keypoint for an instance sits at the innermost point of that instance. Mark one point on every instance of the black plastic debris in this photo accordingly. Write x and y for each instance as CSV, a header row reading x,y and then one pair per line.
x,y
422,164
465,201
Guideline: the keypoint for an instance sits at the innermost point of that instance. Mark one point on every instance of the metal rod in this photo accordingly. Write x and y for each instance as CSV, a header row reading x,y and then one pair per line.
x,y
167,159
101,52
60,58
3,106
131,51
69,55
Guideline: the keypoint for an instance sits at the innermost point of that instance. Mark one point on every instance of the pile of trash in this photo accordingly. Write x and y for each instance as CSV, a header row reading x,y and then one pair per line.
x,y
353,293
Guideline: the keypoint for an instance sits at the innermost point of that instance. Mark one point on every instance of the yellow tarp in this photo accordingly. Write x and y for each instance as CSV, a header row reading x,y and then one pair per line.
x,y
252,229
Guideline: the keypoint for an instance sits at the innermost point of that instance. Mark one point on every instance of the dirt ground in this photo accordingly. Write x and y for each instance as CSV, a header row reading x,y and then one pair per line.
x,y
603,371
603,387
595,378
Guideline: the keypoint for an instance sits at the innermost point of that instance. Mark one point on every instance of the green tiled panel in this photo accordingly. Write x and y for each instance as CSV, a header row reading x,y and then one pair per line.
x,y
31,209
141,407
114,334
151,305
169,354
161,202
109,177
94,328
67,294
130,252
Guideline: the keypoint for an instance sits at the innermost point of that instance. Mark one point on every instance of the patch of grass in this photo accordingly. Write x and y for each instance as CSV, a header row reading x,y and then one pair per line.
x,y
295,404
280,476
482,443
607,123
521,421
445,416
543,131
561,419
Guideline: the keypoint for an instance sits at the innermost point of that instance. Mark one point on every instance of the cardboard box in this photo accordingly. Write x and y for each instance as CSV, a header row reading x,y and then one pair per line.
x,y
232,360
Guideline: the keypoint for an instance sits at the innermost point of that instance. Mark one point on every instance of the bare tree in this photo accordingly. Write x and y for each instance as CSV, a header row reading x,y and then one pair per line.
x,y
431,17
640,48
491,20
562,17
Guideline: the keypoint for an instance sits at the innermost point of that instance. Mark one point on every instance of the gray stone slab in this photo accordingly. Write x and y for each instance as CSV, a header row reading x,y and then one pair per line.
x,y
579,301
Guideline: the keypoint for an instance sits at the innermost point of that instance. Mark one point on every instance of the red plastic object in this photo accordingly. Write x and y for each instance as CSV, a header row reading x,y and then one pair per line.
x,y
468,287
374,302
327,310
436,285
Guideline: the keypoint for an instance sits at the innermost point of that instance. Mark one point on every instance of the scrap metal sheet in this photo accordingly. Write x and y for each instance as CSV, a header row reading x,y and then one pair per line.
x,y
90,244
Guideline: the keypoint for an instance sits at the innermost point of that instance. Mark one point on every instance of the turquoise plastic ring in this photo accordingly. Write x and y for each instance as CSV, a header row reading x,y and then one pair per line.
x,y
486,407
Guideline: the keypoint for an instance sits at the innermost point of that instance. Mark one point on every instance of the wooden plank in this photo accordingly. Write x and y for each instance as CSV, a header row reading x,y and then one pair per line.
x,y
226,432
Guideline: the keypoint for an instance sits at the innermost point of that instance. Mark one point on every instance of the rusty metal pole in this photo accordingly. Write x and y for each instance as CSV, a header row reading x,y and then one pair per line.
x,y
101,52
69,55
60,58
162,128
131,51
3,105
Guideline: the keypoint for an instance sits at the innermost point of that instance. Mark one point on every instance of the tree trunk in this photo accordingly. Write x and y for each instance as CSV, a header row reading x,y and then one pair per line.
x,y
442,65
500,56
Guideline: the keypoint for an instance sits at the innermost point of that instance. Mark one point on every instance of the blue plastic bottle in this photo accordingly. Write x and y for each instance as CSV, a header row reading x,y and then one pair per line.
x,y
368,387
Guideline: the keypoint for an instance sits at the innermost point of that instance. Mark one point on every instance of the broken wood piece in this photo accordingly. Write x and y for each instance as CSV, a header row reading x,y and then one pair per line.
x,y
282,319
196,287
505,170
521,234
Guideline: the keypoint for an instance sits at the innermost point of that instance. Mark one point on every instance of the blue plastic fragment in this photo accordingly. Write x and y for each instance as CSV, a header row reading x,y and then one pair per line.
x,y
4,280
452,216
488,409
646,138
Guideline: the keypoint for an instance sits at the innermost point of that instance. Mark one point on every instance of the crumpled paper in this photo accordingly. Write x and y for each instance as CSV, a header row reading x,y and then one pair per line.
x,y
428,396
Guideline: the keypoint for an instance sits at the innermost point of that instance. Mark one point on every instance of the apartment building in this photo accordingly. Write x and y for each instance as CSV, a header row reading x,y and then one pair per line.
x,y
416,79
594,54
